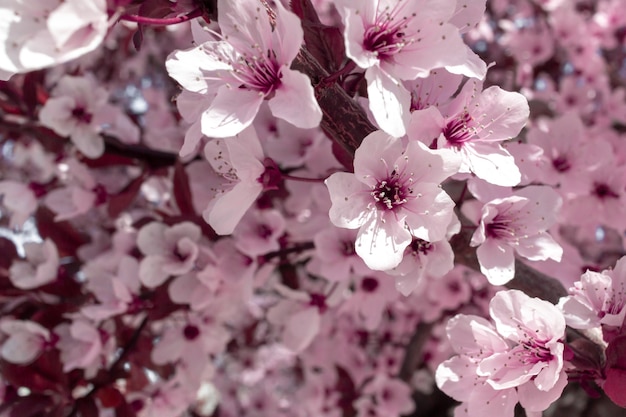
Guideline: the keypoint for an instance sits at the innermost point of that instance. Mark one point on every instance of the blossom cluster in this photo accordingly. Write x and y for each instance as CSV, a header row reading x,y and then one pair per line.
x,y
311,207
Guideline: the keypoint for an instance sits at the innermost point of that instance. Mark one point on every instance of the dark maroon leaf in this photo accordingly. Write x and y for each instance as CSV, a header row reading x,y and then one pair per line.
x,y
615,386
63,234
32,406
120,202
138,38
31,90
616,353
110,397
125,410
182,190
87,407
615,383
8,251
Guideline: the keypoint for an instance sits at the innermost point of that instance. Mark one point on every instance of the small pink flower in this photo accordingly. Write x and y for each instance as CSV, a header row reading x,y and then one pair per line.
x,y
48,33
80,344
403,40
169,251
258,232
19,199
250,64
238,162
599,298
40,267
393,196
26,340
79,108
472,125
514,224
71,112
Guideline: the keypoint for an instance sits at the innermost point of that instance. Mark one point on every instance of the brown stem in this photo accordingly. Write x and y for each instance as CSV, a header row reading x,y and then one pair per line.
x,y
343,120
413,354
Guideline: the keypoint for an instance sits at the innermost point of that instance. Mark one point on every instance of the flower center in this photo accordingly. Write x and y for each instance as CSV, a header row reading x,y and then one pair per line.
x,y
390,193
500,228
561,164
191,332
534,351
257,73
421,246
369,284
82,115
459,130
603,191
389,33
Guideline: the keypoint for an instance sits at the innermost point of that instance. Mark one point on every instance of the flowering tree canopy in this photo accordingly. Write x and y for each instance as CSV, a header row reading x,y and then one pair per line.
x,y
355,208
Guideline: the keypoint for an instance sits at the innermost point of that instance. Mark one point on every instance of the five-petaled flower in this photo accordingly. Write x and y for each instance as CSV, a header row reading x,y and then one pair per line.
x,y
393,196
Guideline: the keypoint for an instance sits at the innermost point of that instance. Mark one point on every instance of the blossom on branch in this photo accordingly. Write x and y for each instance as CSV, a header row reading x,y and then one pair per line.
x,y
250,63
396,40
514,224
393,196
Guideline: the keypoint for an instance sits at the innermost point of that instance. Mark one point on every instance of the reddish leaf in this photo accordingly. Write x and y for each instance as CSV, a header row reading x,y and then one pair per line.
x,y
615,383
10,108
8,251
615,386
31,90
87,407
138,38
182,190
616,353
125,410
32,406
120,202
110,397
66,238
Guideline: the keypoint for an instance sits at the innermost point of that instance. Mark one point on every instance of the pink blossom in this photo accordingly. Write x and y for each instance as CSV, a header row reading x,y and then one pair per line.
x,y
258,232
536,327
371,295
597,299
298,318
80,344
238,161
569,154
188,342
422,258
79,195
472,125
49,32
387,396
392,196
514,224
19,199
40,267
520,359
169,251
78,108
335,257
222,282
116,289
25,340
402,40
250,64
